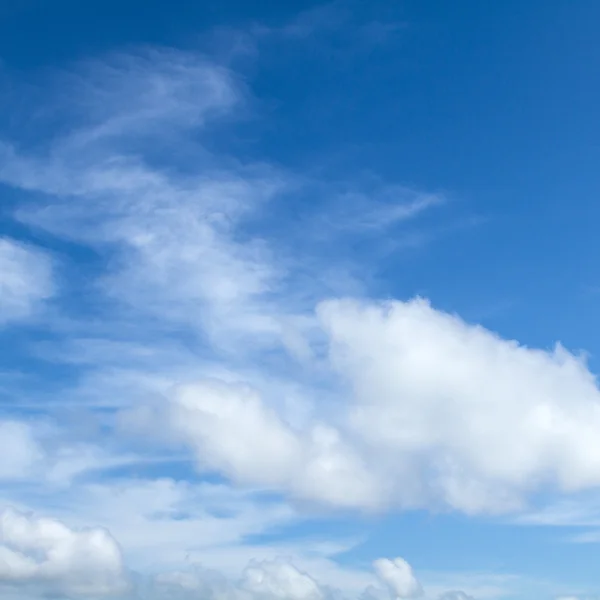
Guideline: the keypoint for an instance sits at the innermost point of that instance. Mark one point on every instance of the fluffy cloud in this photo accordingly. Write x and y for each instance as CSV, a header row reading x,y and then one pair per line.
x,y
40,552
431,401
281,580
275,579
25,280
476,420
190,585
235,433
398,575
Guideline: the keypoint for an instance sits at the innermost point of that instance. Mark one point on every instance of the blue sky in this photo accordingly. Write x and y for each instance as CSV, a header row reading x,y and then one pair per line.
x,y
298,300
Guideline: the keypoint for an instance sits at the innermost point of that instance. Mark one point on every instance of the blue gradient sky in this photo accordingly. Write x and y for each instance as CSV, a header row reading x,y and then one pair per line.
x,y
377,151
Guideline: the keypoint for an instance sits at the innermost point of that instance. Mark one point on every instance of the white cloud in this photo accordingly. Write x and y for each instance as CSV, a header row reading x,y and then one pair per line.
x,y
279,579
398,576
190,585
431,399
233,432
382,207
314,557
265,580
45,552
25,280
475,421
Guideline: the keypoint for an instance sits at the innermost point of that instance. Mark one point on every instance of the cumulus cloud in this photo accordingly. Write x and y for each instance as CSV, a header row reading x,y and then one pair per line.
x,y
276,579
25,280
476,420
41,552
234,432
279,579
190,585
398,575
431,400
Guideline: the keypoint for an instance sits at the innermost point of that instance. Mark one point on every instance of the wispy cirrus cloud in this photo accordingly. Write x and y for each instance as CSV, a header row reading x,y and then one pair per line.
x,y
331,19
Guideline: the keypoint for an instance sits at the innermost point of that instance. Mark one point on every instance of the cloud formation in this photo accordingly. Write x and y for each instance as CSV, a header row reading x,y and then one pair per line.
x,y
430,402
220,339
279,579
477,421
45,554
398,575
233,432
